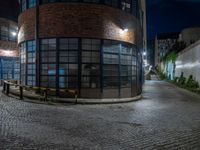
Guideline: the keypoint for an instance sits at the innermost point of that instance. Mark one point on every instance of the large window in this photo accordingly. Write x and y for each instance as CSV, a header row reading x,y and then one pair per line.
x,y
4,33
27,63
81,63
90,63
48,62
9,68
119,63
16,69
31,69
23,63
111,76
48,75
8,33
68,63
111,62
68,75
126,69
68,50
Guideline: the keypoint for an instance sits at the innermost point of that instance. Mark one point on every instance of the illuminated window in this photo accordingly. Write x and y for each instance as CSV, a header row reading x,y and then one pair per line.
x,y
23,5
126,5
31,3
4,33
23,63
31,67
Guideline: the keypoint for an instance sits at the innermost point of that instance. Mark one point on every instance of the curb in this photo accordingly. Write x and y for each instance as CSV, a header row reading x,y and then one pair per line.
x,y
100,101
37,99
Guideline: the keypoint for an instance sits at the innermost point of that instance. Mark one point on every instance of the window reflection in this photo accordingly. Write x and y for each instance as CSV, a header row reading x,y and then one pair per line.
x,y
74,62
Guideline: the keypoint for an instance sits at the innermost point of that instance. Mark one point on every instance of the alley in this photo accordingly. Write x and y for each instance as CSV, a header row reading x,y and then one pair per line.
x,y
166,118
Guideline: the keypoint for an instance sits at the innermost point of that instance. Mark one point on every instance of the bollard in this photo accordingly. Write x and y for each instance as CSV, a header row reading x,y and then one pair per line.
x,y
45,95
4,86
76,98
21,92
7,89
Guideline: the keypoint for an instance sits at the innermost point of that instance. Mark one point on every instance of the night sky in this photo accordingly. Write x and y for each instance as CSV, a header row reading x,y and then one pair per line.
x,y
9,9
165,16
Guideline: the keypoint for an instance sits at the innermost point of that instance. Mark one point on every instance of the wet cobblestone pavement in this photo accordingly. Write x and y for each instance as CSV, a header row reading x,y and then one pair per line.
x,y
167,118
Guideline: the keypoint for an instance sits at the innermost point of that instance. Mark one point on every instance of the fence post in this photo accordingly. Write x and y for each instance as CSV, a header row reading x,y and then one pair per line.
x,y
21,92
45,95
76,98
4,86
7,89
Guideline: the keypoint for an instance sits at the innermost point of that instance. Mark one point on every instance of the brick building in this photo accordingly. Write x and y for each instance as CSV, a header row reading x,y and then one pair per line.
x,y
91,46
9,58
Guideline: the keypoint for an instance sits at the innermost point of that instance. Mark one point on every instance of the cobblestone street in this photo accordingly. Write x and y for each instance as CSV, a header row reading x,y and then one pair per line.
x,y
166,118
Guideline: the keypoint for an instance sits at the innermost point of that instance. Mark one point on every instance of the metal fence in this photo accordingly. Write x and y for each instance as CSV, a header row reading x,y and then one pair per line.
x,y
42,90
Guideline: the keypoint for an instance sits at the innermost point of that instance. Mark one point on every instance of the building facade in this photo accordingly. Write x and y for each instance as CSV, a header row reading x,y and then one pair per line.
x,y
188,62
163,44
9,56
189,35
91,46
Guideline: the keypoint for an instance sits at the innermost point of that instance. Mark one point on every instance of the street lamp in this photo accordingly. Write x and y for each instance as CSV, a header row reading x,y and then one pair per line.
x,y
13,33
123,30
144,53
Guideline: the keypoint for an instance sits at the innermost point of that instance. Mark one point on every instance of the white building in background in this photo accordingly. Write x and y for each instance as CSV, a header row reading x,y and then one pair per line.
x,y
188,62
190,35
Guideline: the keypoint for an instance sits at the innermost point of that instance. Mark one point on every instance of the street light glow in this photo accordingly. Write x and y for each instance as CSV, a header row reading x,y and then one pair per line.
x,y
125,30
122,31
13,33
144,53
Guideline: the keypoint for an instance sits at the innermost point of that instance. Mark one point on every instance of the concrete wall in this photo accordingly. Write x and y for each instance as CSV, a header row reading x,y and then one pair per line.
x,y
188,62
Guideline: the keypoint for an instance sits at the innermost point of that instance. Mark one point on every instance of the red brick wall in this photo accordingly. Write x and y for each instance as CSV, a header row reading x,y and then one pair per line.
x,y
8,45
26,23
8,23
80,20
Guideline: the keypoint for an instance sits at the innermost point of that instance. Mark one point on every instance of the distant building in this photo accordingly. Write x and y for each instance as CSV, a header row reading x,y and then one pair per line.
x,y
143,23
9,58
190,35
163,44
150,52
187,49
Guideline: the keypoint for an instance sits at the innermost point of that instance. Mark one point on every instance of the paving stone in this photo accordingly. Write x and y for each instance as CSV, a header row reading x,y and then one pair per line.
x,y
167,118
